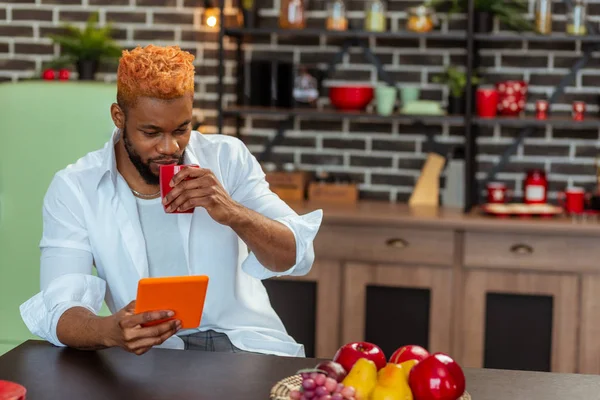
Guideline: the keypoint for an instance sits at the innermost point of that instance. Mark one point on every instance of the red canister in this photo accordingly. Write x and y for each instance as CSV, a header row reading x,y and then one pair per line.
x,y
512,96
578,110
541,109
535,187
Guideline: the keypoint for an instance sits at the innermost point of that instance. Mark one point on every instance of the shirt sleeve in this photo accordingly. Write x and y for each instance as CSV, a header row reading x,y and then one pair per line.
x,y
252,191
66,260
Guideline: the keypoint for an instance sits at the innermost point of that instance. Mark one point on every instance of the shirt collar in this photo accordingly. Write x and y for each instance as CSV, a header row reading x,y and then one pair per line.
x,y
109,159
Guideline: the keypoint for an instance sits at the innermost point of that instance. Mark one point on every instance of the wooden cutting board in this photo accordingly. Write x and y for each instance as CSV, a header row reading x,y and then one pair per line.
x,y
427,189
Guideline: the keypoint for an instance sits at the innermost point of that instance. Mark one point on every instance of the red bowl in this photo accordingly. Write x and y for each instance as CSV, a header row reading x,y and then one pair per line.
x,y
350,98
12,391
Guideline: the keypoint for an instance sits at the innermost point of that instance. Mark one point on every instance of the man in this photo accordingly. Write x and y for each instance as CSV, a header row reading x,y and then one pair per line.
x,y
105,210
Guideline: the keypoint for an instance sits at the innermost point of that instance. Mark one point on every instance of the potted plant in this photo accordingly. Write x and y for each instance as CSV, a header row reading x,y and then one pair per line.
x,y
510,12
456,81
87,48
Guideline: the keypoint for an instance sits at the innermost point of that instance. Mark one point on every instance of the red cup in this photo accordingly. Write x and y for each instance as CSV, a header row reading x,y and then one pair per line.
x,y
572,200
11,391
166,173
487,102
496,193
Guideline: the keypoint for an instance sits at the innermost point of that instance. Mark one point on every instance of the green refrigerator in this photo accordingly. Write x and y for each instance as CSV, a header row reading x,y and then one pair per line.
x,y
44,126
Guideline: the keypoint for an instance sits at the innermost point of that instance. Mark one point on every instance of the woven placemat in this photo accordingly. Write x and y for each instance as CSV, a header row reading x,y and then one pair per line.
x,y
282,389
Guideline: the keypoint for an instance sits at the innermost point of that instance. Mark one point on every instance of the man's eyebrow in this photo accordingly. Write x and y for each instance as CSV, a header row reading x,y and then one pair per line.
x,y
150,126
158,128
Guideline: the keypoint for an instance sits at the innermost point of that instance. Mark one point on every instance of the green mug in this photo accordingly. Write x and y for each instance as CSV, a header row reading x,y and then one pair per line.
x,y
409,94
385,97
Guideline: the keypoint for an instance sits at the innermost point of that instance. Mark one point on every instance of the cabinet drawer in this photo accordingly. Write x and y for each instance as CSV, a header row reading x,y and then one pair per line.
x,y
509,250
374,244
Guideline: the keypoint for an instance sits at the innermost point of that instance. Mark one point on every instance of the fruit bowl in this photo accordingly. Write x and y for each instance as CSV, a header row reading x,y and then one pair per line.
x,y
350,98
360,371
282,389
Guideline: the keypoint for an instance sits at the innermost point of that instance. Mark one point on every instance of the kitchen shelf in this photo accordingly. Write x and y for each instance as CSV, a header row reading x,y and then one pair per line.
x,y
358,34
521,122
533,37
333,114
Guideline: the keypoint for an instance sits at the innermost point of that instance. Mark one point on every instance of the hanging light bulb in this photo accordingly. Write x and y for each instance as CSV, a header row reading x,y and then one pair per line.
x,y
211,16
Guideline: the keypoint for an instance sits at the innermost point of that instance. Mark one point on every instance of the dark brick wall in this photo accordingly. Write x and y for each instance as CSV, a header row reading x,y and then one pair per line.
x,y
384,157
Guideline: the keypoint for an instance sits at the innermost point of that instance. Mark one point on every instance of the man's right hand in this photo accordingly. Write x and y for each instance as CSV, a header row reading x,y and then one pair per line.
x,y
124,329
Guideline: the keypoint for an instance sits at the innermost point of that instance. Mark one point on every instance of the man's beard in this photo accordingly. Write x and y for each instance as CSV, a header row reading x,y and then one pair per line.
x,y
142,167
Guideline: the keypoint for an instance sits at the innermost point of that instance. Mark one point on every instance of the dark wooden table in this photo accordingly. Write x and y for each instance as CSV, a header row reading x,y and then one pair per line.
x,y
52,373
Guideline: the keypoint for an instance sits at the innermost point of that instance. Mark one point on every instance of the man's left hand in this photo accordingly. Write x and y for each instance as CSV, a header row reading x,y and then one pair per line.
x,y
199,187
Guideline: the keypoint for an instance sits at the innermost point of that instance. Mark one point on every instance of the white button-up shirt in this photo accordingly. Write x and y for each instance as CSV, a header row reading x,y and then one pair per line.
x,y
90,208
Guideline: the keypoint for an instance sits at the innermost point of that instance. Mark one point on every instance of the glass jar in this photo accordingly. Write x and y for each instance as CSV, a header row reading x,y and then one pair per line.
x,y
421,19
336,16
292,14
543,16
576,19
306,87
375,16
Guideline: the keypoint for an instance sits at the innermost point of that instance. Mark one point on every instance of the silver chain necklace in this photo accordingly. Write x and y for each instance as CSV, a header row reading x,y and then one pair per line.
x,y
145,196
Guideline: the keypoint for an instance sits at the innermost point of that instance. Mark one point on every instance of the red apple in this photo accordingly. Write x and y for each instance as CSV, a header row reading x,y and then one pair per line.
x,y
332,370
410,352
49,74
438,377
349,353
63,74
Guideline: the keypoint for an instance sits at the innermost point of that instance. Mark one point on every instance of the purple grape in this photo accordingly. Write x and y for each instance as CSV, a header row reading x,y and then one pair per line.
x,y
339,388
320,379
305,375
331,385
313,375
348,392
309,394
321,391
326,397
337,396
295,395
309,384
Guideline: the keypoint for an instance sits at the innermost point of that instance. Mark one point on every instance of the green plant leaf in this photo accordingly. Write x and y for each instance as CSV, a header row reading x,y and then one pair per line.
x,y
456,80
89,43
509,12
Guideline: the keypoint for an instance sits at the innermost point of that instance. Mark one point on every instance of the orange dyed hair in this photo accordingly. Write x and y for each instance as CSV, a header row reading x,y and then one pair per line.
x,y
153,71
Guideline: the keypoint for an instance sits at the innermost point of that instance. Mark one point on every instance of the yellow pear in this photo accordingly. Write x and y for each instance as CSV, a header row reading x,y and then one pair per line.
x,y
392,384
392,375
407,366
362,377
391,393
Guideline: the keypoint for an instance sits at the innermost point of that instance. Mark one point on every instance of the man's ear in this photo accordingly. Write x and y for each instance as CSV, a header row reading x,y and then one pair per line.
x,y
118,116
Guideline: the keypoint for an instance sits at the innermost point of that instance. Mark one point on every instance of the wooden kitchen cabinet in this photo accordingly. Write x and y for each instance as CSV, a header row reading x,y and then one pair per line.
x,y
519,320
382,244
309,307
501,293
589,348
395,305
517,251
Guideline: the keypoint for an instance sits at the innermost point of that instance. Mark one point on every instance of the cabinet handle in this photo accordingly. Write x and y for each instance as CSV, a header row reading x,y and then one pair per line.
x,y
521,249
397,243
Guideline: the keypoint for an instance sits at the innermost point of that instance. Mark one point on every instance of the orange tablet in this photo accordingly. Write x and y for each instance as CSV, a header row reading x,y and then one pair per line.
x,y
183,295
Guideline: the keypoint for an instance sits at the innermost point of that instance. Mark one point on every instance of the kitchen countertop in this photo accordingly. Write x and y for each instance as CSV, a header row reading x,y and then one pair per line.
x,y
399,214
50,373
